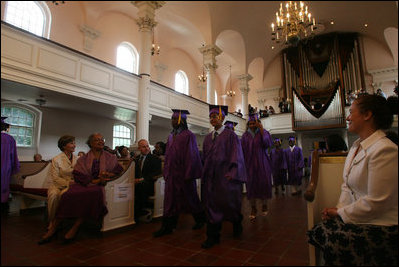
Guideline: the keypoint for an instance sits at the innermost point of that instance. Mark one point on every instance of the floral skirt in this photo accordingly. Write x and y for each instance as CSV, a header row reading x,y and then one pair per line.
x,y
354,244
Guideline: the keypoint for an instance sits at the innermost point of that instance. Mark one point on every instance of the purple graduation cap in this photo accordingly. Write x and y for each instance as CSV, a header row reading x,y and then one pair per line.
x,y
218,109
291,138
278,140
253,117
3,121
180,113
230,124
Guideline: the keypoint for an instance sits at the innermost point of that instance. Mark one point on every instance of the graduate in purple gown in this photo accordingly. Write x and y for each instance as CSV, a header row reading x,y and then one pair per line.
x,y
279,166
182,167
230,125
9,163
255,143
85,199
295,166
222,178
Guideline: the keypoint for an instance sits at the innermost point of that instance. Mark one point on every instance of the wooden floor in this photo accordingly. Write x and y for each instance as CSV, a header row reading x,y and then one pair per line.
x,y
278,239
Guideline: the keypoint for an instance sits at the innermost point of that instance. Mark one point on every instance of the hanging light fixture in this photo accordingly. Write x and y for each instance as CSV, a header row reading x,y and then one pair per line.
x,y
293,23
231,92
202,77
58,2
155,49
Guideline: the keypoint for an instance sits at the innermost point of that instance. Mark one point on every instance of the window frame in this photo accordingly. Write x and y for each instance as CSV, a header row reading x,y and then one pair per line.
x,y
186,90
134,53
37,122
46,17
129,126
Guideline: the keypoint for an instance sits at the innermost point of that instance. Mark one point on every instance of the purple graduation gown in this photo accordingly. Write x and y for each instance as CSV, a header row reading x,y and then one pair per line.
x,y
295,165
181,169
84,199
223,157
257,163
279,166
9,164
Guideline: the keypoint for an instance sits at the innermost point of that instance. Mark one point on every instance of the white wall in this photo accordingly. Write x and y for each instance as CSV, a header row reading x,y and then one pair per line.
x,y
57,122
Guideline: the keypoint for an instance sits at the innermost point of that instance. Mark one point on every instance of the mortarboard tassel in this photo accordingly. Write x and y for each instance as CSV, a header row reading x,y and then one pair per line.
x,y
178,122
220,112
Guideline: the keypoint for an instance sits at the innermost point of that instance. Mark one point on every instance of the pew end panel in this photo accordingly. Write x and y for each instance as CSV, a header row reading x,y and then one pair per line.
x,y
119,195
324,190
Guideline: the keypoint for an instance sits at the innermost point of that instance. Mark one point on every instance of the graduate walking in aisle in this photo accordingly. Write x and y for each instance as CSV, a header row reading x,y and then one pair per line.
x,y
255,142
295,165
182,167
279,166
223,176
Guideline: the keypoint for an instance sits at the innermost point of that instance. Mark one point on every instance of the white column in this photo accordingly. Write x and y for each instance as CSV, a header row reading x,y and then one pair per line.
x,y
244,88
209,53
146,23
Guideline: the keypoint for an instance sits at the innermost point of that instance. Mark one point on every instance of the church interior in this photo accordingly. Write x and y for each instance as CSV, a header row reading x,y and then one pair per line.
x,y
119,68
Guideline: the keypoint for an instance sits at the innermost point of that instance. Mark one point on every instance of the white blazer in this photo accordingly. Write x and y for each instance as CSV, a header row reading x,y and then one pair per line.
x,y
369,194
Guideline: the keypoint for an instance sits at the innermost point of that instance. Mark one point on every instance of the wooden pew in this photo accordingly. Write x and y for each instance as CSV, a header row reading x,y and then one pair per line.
x,y
324,190
29,186
119,195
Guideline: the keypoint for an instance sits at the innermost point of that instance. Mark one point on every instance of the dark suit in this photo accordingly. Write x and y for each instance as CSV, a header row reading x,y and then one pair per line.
x,y
152,166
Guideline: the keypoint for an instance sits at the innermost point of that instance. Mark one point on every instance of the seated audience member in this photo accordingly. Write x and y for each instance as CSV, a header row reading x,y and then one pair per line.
x,y
362,229
81,153
37,158
271,110
61,177
393,103
159,151
335,143
381,93
124,152
85,199
239,114
148,169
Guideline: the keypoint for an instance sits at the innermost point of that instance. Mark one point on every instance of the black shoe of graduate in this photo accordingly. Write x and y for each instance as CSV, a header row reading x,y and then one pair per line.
x,y
210,242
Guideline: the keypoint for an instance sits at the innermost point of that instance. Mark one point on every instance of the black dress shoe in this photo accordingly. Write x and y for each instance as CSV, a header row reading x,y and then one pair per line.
x,y
210,242
161,232
237,229
46,240
66,241
198,225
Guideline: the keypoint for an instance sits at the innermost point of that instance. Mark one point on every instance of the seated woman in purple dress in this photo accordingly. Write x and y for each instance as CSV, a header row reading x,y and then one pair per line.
x,y
85,199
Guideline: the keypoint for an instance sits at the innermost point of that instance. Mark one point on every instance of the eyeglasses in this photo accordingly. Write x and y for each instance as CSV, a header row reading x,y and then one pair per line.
x,y
99,139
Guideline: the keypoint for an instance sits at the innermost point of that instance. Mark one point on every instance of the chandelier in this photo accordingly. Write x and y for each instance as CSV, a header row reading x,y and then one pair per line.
x,y
58,2
202,77
155,49
293,24
231,92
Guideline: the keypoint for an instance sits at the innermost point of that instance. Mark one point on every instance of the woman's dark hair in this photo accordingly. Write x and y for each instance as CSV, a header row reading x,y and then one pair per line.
x,y
162,145
64,140
183,124
378,105
120,148
336,143
393,136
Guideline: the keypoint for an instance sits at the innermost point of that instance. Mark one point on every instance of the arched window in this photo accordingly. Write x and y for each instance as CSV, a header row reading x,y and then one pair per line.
x,y
33,16
181,82
25,123
123,135
127,58
216,98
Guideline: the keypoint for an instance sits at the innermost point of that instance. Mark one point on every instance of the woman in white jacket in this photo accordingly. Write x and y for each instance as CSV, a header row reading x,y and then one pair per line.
x,y
363,227
61,177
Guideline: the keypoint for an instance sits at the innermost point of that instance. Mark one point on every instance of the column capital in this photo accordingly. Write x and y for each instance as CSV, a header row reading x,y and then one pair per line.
x,y
146,13
89,35
210,52
244,77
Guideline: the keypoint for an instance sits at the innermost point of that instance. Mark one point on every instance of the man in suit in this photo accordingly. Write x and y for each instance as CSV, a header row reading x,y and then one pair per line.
x,y
148,169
